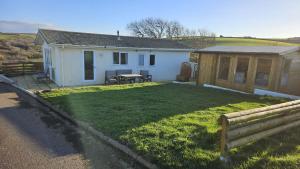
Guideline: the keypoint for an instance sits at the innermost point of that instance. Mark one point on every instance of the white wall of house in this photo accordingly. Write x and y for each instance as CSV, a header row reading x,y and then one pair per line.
x,y
53,63
69,67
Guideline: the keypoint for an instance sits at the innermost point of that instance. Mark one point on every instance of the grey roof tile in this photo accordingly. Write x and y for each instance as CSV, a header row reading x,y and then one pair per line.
x,y
91,39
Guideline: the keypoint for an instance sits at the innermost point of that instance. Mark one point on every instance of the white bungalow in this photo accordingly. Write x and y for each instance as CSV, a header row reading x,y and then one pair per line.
x,y
74,58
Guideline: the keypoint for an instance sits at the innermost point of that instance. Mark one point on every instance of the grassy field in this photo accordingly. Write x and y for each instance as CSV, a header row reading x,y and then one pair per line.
x,y
175,126
5,36
250,42
194,43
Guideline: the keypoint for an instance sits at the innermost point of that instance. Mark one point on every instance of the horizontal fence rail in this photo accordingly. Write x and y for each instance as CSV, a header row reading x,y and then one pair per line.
x,y
248,126
21,68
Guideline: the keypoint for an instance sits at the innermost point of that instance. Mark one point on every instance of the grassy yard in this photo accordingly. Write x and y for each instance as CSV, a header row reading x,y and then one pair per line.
x,y
175,126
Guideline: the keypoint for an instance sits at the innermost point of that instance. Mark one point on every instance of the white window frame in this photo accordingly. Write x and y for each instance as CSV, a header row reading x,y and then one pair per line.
x,y
119,58
139,57
113,58
126,57
94,61
154,59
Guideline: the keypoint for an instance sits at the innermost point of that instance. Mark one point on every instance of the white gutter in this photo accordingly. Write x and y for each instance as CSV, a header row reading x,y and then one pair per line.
x,y
115,47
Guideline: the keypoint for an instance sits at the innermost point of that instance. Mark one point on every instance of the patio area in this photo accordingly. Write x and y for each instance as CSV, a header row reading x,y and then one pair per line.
x,y
29,82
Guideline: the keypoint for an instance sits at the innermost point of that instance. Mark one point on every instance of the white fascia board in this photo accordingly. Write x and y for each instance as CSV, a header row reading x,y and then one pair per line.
x,y
126,48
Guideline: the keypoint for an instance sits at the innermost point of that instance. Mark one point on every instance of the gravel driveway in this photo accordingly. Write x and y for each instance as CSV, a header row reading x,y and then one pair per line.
x,y
32,138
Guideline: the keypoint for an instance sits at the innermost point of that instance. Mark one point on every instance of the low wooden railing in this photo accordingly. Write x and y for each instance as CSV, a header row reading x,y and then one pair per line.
x,y
21,68
248,126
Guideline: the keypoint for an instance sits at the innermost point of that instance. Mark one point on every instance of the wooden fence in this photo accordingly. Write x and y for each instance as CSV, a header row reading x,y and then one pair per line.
x,y
248,126
21,68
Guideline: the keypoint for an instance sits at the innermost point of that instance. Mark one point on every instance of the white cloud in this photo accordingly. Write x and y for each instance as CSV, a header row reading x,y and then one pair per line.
x,y
23,27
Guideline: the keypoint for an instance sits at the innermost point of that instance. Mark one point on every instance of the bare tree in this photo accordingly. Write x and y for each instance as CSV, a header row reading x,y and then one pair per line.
x,y
174,29
206,38
159,28
137,29
189,33
149,27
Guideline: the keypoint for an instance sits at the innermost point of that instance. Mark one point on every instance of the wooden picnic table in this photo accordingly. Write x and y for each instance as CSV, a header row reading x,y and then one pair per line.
x,y
125,77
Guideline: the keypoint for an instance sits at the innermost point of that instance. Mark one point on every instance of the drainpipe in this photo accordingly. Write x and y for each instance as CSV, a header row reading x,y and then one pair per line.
x,y
62,66
198,71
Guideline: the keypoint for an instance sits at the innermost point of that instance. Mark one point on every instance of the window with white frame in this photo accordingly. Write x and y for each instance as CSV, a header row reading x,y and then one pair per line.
x,y
141,60
120,58
116,58
152,60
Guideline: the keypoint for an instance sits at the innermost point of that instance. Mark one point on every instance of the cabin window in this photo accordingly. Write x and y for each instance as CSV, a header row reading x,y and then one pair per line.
x,y
141,60
124,58
120,58
224,68
263,72
241,70
116,57
285,73
152,59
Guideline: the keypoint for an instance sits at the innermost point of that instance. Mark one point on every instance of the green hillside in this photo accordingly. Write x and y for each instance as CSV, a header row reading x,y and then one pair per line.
x,y
14,36
198,43
250,42
19,47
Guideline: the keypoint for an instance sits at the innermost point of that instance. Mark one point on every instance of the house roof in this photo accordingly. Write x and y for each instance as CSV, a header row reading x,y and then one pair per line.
x,y
280,50
102,40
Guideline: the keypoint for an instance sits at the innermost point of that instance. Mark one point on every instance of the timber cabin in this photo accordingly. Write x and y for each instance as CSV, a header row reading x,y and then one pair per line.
x,y
251,68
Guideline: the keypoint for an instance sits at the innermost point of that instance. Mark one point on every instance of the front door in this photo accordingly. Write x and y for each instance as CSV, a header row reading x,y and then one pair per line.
x,y
88,65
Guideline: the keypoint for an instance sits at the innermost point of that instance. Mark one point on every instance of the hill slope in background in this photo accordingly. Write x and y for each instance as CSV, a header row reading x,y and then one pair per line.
x,y
197,43
250,42
16,47
21,47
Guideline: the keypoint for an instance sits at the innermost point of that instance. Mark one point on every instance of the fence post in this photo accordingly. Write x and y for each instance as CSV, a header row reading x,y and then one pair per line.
x,y
224,153
247,126
23,68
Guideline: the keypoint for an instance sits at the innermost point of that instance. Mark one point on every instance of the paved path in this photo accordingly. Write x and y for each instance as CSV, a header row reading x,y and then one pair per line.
x,y
29,82
32,138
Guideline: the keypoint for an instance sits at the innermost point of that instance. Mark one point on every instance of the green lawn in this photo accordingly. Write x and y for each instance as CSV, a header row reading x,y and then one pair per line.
x,y
175,126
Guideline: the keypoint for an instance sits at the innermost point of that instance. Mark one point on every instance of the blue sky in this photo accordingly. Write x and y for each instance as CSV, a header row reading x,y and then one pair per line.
x,y
259,18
